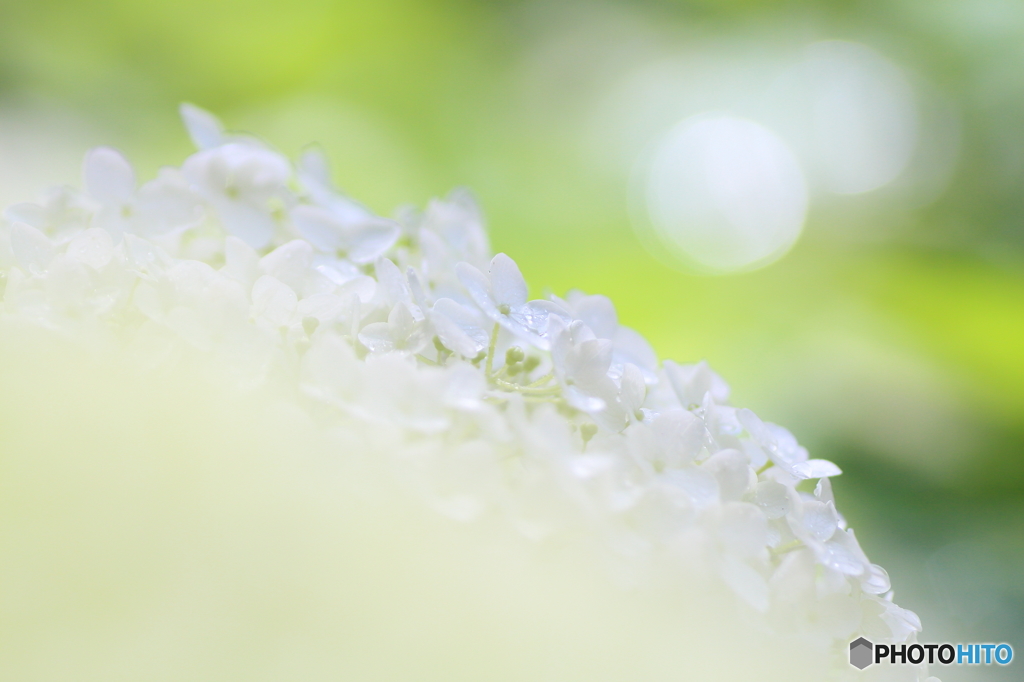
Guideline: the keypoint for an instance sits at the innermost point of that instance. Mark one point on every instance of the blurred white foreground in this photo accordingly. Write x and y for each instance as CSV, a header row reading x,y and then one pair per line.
x,y
252,430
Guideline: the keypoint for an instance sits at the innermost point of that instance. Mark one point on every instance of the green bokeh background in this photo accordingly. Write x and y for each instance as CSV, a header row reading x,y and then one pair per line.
x,y
890,339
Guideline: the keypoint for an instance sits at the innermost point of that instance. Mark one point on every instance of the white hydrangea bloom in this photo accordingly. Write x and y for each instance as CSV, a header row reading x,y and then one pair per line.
x,y
545,411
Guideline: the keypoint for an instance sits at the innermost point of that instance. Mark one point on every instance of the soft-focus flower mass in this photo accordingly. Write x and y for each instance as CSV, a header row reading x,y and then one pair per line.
x,y
409,327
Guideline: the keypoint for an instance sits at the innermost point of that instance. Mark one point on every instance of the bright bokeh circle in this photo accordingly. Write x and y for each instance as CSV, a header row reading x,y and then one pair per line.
x,y
724,194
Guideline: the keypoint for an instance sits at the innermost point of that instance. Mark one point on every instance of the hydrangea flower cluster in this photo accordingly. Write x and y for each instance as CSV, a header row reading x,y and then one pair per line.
x,y
547,411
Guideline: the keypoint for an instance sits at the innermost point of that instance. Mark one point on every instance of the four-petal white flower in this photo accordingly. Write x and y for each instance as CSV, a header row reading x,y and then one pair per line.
x,y
335,224
402,332
782,448
239,180
158,207
581,362
460,328
502,296
598,313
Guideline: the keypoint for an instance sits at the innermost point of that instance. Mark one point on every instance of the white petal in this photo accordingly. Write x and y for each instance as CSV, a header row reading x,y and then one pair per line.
x,y
318,226
458,224
324,307
402,322
598,312
588,362
507,284
902,622
478,287
111,220
681,435
109,177
92,247
630,346
816,468
252,225
534,318
578,331
823,491
700,486
363,287
842,553
28,213
32,249
455,339
164,204
145,258
416,288
274,300
583,402
417,338
369,240
634,389
757,456
203,127
721,419
733,472
612,417
773,499
337,270
691,382
289,263
559,342
314,172
377,337
786,446
395,285
459,328
256,174
876,581
757,429
241,261
819,519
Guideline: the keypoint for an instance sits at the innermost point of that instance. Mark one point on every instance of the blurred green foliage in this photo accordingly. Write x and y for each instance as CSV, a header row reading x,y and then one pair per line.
x,y
901,355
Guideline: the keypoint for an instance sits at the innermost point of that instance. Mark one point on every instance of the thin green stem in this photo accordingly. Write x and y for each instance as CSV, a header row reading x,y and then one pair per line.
x,y
543,380
490,351
526,390
550,399
554,390
788,547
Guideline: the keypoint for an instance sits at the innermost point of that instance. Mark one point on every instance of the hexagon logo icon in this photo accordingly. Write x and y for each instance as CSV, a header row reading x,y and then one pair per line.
x,y
860,653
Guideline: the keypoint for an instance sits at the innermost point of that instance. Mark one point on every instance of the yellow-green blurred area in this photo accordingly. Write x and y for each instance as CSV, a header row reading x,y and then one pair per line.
x,y
890,338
